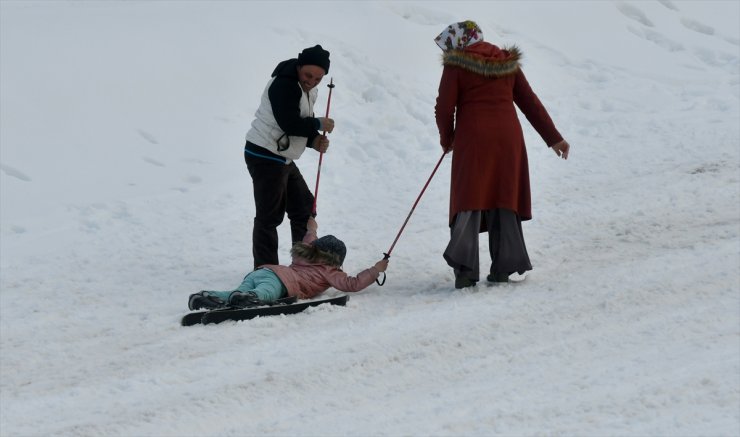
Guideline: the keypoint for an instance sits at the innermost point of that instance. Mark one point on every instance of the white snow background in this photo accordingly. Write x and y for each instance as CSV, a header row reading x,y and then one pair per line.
x,y
124,190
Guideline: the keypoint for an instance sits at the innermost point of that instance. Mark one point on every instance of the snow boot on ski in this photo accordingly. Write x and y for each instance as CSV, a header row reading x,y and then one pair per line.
x,y
244,299
205,300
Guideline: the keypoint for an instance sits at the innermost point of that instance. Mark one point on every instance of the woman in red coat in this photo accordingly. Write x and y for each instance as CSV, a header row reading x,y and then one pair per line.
x,y
477,120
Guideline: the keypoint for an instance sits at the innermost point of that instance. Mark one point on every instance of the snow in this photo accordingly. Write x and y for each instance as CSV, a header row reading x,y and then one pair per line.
x,y
124,190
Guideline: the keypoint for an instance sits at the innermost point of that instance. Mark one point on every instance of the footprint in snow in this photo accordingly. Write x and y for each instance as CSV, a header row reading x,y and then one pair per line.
x,y
152,161
697,26
195,161
147,136
13,172
712,167
732,40
668,4
420,15
374,94
717,59
634,13
657,38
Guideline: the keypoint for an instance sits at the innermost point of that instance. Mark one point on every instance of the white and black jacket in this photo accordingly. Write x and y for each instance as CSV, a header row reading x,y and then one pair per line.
x,y
284,123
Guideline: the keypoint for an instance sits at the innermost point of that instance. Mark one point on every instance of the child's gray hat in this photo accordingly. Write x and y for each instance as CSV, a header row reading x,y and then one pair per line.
x,y
332,245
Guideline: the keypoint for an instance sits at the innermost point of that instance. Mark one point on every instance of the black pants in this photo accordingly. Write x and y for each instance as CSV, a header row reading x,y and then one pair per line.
x,y
278,188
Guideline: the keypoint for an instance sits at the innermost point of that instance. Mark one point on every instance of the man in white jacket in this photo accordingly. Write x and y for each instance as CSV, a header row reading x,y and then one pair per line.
x,y
283,127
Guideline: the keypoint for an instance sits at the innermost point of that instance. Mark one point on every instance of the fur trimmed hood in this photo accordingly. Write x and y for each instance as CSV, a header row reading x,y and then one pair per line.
x,y
485,59
314,255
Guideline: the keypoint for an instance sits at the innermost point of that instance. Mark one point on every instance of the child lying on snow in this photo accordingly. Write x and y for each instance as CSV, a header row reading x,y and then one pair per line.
x,y
316,266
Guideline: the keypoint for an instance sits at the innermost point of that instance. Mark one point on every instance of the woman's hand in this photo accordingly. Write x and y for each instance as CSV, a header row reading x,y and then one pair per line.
x,y
561,149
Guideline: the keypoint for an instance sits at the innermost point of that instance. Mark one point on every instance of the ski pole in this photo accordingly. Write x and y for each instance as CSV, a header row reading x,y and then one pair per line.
x,y
387,255
321,154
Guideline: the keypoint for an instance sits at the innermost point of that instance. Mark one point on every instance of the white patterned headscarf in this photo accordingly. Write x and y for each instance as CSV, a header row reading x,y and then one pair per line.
x,y
457,36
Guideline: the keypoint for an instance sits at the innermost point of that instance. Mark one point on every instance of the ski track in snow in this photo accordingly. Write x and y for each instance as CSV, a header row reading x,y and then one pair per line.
x,y
629,324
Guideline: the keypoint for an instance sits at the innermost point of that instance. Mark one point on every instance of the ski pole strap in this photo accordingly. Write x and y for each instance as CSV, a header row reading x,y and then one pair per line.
x,y
385,256
381,282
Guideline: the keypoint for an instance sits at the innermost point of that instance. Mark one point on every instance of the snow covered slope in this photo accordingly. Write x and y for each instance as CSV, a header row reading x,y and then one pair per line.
x,y
123,190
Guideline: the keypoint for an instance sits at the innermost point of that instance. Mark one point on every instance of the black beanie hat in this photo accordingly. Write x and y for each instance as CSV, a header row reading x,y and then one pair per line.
x,y
315,55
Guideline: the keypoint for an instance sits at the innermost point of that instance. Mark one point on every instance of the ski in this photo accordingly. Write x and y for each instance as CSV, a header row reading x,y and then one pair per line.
x,y
236,314
250,313
195,317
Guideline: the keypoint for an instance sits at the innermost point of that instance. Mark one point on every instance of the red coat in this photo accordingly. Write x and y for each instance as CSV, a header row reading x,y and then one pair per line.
x,y
477,120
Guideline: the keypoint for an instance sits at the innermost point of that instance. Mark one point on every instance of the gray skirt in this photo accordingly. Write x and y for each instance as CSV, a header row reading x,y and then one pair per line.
x,y
505,243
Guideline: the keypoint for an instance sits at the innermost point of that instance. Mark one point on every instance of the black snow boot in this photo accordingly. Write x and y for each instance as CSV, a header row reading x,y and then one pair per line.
x,y
242,299
498,277
464,282
205,300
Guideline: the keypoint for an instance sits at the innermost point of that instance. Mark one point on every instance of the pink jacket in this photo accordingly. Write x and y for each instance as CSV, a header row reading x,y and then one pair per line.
x,y
306,280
